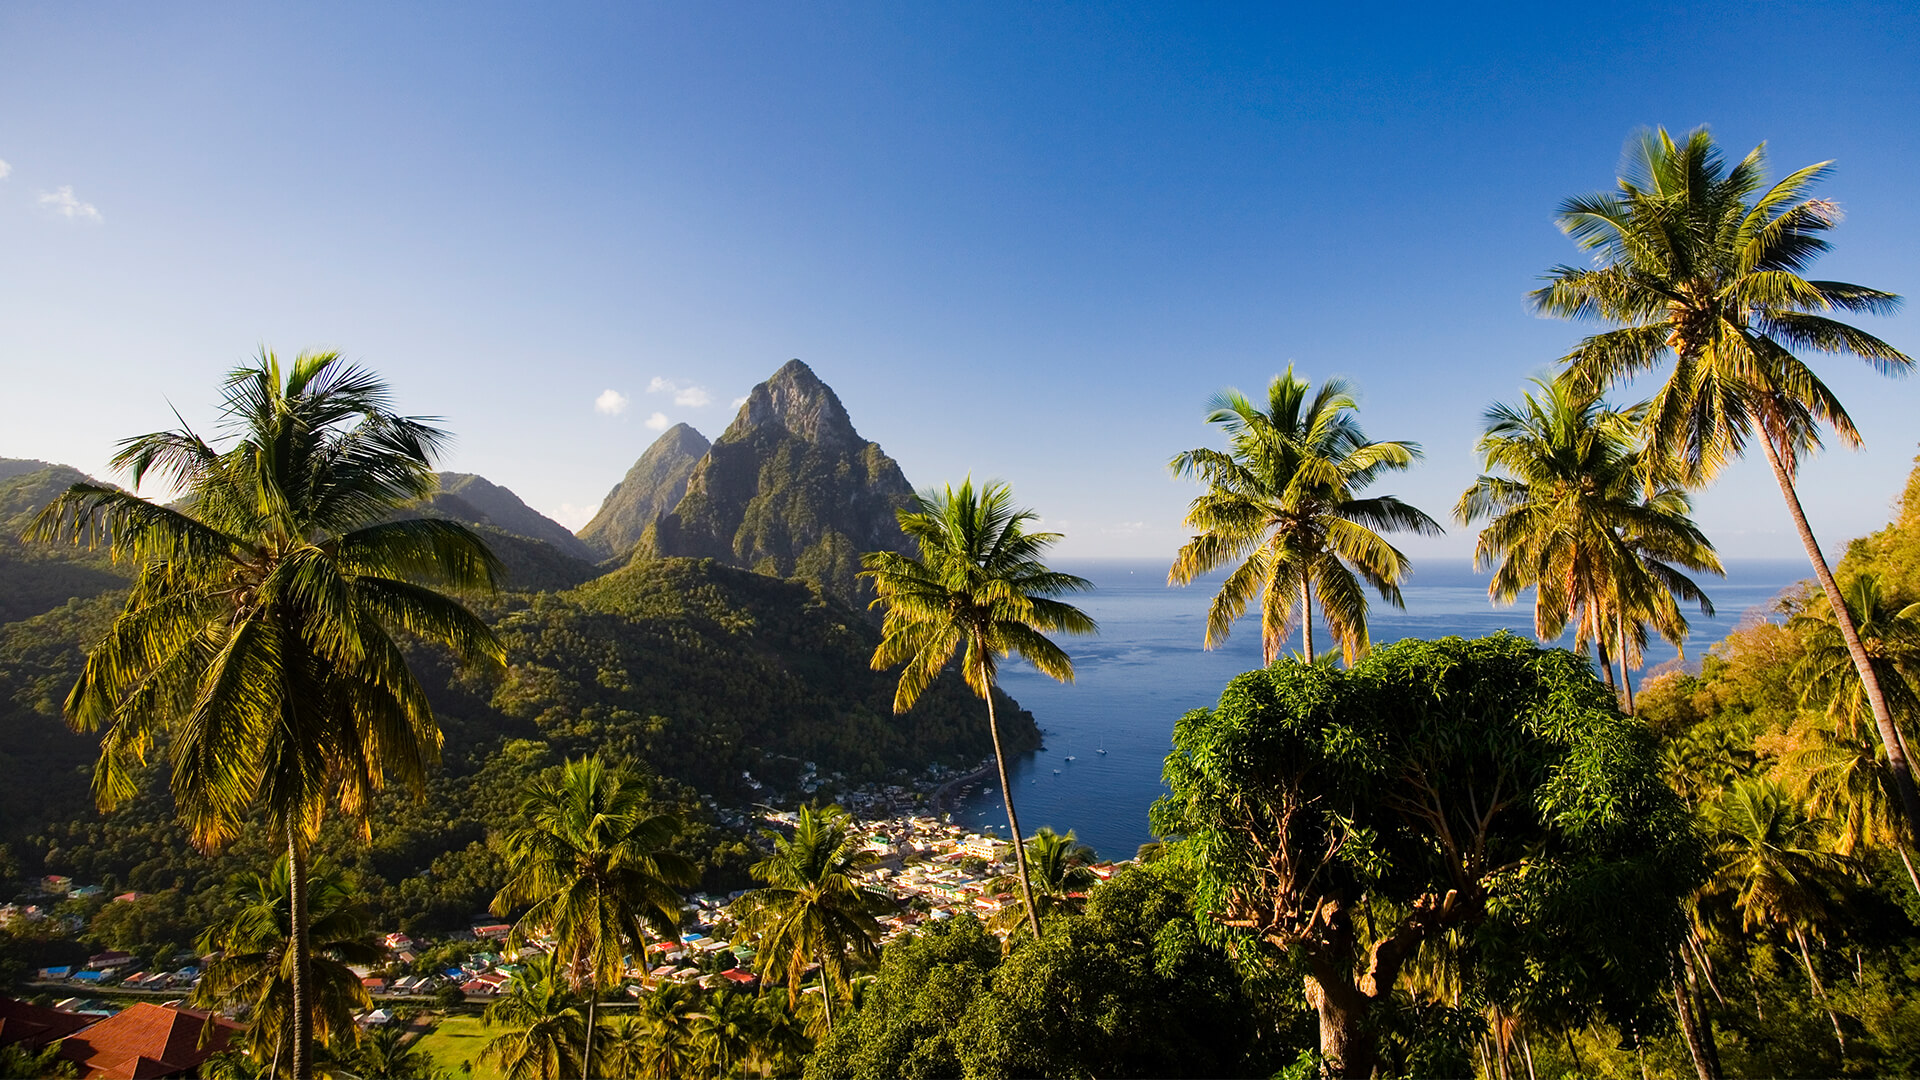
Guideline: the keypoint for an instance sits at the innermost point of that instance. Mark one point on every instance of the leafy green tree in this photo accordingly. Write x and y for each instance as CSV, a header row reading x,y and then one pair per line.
x,y
253,959
727,1030
811,909
258,642
589,862
1060,877
1345,820
979,588
1283,507
1576,518
910,1024
546,1030
1703,263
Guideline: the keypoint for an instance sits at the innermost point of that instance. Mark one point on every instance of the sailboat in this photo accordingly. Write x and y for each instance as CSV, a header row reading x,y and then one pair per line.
x,y
1103,745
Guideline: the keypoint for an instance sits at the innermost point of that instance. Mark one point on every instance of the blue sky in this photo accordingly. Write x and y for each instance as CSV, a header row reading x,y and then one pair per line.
x,y
1026,242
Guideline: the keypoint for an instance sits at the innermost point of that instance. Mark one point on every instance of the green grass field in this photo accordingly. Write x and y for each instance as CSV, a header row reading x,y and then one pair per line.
x,y
456,1040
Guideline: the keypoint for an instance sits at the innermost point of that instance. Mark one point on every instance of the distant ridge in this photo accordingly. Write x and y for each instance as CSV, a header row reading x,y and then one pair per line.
x,y
502,509
790,489
650,489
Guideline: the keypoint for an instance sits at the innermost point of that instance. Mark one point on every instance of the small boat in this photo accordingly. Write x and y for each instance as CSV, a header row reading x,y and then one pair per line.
x,y
1102,750
1069,757
1056,772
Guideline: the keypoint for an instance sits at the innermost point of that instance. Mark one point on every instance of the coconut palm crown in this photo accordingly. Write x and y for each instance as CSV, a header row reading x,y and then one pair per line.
x,y
1573,513
1703,264
1282,507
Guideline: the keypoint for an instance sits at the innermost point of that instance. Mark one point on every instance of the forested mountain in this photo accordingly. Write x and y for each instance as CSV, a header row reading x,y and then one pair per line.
x,y
790,490
33,578
650,489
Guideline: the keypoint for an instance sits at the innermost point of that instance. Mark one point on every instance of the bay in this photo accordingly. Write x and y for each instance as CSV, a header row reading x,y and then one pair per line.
x,y
1146,667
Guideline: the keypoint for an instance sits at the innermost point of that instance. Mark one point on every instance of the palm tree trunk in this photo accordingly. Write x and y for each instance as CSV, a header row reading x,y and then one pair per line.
x,y
1526,1050
302,967
593,1013
1908,863
1869,682
826,986
1606,661
1019,841
1819,991
1690,1029
1626,681
1306,618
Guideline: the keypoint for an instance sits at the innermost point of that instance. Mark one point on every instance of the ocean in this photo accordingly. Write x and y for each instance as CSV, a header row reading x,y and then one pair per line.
x,y
1146,668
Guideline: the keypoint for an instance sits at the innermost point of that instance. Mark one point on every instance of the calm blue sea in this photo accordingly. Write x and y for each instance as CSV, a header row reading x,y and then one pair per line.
x,y
1146,668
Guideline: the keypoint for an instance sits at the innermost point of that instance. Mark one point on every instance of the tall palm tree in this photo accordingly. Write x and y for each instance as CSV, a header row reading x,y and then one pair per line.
x,y
1769,863
589,863
258,641
1576,516
978,588
384,1053
546,1031
253,969
1059,865
812,909
1703,263
1283,507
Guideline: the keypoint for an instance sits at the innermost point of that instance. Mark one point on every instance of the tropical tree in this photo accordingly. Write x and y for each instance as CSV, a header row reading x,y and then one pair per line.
x,y
727,1030
253,958
812,910
1770,865
1283,508
546,1031
589,863
671,1048
384,1053
1573,513
1060,877
978,588
257,644
1703,264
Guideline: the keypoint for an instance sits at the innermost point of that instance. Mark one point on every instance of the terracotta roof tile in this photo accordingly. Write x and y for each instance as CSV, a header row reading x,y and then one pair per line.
x,y
146,1040
21,1022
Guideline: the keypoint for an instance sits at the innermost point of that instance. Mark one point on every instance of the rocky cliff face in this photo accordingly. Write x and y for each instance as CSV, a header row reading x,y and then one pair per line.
x,y
790,490
650,489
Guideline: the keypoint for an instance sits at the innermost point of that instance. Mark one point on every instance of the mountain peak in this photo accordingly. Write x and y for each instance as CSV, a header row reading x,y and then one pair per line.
x,y
795,399
651,487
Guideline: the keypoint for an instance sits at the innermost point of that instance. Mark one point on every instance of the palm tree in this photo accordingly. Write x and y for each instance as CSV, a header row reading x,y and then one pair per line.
x,y
384,1053
623,1045
726,1029
1578,518
546,1030
1282,506
671,1048
253,966
1768,862
1843,772
257,643
1696,261
1059,867
590,864
812,910
978,587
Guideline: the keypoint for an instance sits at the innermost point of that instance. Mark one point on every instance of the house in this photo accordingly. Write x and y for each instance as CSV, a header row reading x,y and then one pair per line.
x,y
374,984
86,892
33,1027
55,884
147,1040
492,931
112,958
399,941
739,977
56,972
123,898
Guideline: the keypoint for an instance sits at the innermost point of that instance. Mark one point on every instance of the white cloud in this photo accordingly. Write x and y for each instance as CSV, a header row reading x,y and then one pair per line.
x,y
739,401
610,402
6,170
658,421
684,394
62,202
574,517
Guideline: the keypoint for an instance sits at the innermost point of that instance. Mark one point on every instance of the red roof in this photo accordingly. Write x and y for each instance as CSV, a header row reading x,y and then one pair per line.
x,y
744,978
146,1040
34,1026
